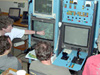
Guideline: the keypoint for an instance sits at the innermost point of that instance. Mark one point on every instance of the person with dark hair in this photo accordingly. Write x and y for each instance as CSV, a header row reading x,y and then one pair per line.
x,y
7,29
44,66
7,61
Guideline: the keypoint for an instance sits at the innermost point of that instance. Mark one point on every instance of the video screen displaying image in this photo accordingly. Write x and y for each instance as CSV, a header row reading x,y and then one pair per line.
x,y
76,35
43,7
47,27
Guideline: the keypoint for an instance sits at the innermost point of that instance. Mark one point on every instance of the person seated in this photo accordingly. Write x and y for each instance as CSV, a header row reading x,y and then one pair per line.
x,y
6,60
92,65
43,65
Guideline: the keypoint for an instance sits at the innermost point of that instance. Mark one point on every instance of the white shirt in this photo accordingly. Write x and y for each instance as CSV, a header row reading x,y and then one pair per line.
x,y
15,33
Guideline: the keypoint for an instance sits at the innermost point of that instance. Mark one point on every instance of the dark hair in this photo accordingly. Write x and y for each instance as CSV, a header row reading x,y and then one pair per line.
x,y
43,50
4,44
5,21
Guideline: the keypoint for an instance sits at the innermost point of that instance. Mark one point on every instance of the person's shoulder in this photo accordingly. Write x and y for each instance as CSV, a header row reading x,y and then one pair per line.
x,y
93,58
12,58
60,67
35,62
15,29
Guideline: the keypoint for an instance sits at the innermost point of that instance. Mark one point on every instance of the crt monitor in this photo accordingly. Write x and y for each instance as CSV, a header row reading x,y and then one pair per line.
x,y
46,25
76,36
43,8
14,12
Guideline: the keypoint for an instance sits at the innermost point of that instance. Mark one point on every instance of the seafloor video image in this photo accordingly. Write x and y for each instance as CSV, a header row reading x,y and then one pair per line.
x,y
47,27
43,7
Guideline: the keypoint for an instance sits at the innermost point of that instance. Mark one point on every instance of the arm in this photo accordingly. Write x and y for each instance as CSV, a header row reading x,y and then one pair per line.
x,y
33,32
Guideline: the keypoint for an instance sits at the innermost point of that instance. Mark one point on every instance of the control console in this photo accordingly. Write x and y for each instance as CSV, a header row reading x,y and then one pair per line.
x,y
71,59
77,59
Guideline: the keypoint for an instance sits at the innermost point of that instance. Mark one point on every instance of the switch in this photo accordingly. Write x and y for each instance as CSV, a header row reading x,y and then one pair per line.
x,y
74,6
69,6
66,1
65,5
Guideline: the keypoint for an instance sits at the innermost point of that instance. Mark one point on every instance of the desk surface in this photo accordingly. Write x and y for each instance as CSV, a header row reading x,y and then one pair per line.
x,y
14,70
17,23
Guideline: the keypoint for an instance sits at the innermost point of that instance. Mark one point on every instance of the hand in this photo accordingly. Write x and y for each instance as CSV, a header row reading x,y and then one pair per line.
x,y
41,32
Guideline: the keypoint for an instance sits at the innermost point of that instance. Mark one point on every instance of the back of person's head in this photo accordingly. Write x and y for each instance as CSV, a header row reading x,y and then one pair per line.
x,y
43,50
5,21
4,44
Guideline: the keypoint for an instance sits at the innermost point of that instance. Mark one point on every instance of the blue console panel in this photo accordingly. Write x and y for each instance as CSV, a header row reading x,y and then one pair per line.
x,y
68,63
78,13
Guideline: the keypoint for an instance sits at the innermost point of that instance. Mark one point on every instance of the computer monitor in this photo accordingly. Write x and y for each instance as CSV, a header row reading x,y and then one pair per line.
x,y
14,12
43,8
76,36
44,24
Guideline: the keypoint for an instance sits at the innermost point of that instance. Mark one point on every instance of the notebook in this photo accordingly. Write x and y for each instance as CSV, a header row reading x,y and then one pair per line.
x,y
14,13
25,17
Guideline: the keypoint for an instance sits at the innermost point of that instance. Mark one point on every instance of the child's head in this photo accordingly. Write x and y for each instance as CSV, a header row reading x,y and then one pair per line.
x,y
43,50
5,44
6,23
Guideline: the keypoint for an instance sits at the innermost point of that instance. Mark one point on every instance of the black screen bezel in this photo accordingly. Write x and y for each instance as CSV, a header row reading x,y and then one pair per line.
x,y
52,21
71,45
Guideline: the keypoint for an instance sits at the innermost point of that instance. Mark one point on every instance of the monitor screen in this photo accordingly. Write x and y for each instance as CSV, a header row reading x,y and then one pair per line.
x,y
47,26
75,36
14,12
43,8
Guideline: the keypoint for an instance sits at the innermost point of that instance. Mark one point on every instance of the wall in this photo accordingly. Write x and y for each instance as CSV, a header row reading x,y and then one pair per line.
x,y
6,4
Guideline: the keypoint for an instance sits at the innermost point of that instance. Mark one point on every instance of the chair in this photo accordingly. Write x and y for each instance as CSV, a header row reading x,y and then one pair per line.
x,y
21,47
